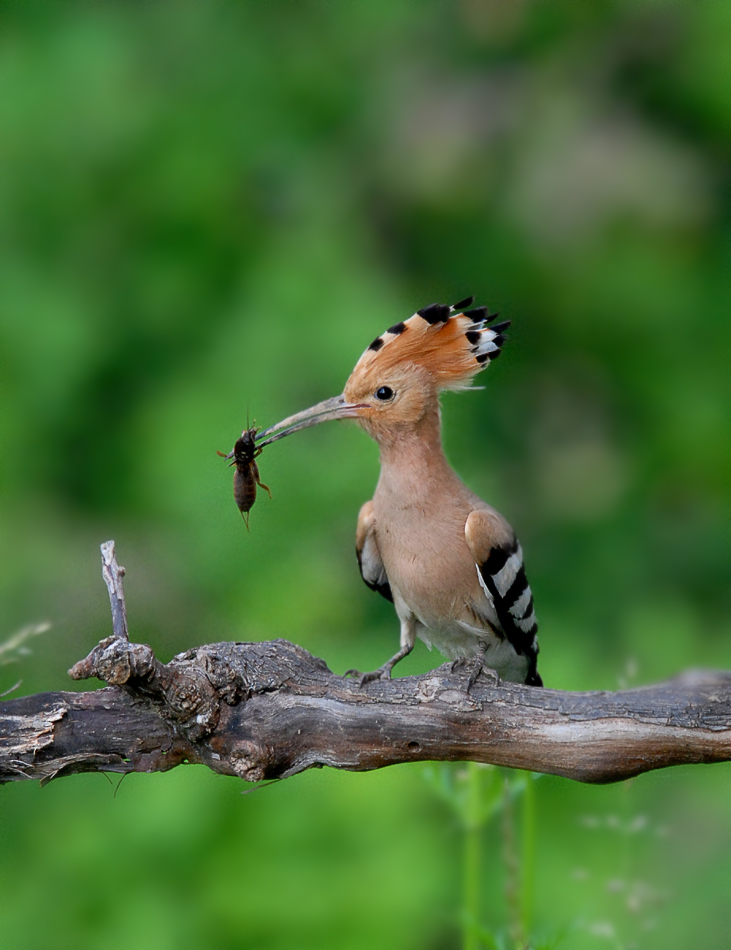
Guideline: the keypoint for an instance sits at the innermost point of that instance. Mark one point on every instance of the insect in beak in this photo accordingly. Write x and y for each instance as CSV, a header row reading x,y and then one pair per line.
x,y
246,476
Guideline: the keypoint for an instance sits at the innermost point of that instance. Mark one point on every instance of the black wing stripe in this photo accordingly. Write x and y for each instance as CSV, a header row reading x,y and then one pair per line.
x,y
516,589
518,608
517,621
497,560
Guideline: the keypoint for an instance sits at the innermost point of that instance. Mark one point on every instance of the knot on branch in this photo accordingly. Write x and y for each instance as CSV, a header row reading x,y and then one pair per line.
x,y
187,692
116,661
190,688
249,761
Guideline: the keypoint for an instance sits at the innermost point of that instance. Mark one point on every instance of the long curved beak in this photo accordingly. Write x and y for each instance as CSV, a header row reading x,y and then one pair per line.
x,y
336,408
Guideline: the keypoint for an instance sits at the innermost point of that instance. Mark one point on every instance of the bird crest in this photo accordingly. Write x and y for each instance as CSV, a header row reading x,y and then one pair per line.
x,y
451,343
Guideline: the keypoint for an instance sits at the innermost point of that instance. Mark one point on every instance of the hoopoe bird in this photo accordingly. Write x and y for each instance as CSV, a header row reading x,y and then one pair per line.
x,y
450,563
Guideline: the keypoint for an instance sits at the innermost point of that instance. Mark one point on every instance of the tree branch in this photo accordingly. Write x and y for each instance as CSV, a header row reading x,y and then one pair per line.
x,y
270,710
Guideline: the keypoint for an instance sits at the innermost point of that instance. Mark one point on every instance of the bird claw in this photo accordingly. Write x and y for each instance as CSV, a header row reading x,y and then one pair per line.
x,y
478,666
382,673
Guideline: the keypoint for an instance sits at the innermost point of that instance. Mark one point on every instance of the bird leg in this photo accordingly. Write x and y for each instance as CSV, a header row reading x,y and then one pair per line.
x,y
383,672
408,639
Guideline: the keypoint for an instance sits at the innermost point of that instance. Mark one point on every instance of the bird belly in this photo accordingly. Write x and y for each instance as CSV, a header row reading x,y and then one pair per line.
x,y
460,642
434,578
455,641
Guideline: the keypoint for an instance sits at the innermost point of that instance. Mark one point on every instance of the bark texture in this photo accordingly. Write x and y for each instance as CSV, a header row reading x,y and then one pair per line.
x,y
270,710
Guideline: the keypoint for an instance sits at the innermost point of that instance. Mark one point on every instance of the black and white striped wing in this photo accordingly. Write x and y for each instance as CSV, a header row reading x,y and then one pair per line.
x,y
369,557
500,570
502,577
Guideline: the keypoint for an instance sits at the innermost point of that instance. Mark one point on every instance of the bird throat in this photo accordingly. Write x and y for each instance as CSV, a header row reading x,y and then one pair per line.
x,y
414,470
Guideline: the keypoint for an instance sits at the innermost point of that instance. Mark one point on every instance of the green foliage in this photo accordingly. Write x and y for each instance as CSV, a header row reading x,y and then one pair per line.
x,y
207,211
477,793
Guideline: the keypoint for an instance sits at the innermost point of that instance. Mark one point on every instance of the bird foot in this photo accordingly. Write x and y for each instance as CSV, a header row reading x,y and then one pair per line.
x,y
382,673
476,665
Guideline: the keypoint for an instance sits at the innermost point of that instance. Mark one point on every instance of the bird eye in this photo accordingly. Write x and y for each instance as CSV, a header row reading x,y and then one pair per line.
x,y
384,393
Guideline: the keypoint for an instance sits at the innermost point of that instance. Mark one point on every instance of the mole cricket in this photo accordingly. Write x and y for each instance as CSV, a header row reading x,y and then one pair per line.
x,y
246,476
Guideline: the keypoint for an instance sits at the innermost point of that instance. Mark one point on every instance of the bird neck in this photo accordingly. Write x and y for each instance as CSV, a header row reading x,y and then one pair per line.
x,y
413,462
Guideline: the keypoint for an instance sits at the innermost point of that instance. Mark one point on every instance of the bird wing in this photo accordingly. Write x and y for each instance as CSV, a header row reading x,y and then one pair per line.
x,y
369,557
500,571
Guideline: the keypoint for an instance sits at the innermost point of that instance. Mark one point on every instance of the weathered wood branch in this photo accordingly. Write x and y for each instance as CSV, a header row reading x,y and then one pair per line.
x,y
113,575
271,710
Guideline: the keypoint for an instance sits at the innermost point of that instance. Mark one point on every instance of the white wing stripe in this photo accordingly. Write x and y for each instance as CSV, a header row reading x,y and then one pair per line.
x,y
521,604
527,623
506,575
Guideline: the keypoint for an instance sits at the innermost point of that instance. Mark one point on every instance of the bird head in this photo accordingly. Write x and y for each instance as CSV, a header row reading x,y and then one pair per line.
x,y
396,382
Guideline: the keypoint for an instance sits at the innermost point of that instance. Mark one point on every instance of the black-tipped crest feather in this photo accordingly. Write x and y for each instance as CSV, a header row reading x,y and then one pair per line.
x,y
435,313
478,314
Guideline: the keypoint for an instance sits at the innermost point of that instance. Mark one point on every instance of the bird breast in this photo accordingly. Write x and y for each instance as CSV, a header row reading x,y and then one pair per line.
x,y
427,560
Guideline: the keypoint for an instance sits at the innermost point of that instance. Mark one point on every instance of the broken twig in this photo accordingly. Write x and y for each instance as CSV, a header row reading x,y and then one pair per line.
x,y
113,574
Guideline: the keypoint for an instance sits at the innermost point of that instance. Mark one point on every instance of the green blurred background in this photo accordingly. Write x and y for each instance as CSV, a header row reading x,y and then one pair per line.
x,y
207,211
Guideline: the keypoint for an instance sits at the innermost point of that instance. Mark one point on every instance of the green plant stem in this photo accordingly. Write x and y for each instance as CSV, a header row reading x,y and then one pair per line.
x,y
471,861
528,854
511,863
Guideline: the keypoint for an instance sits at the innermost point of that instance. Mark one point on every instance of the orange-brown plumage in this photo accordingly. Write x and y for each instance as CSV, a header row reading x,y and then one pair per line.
x,y
450,562
441,347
